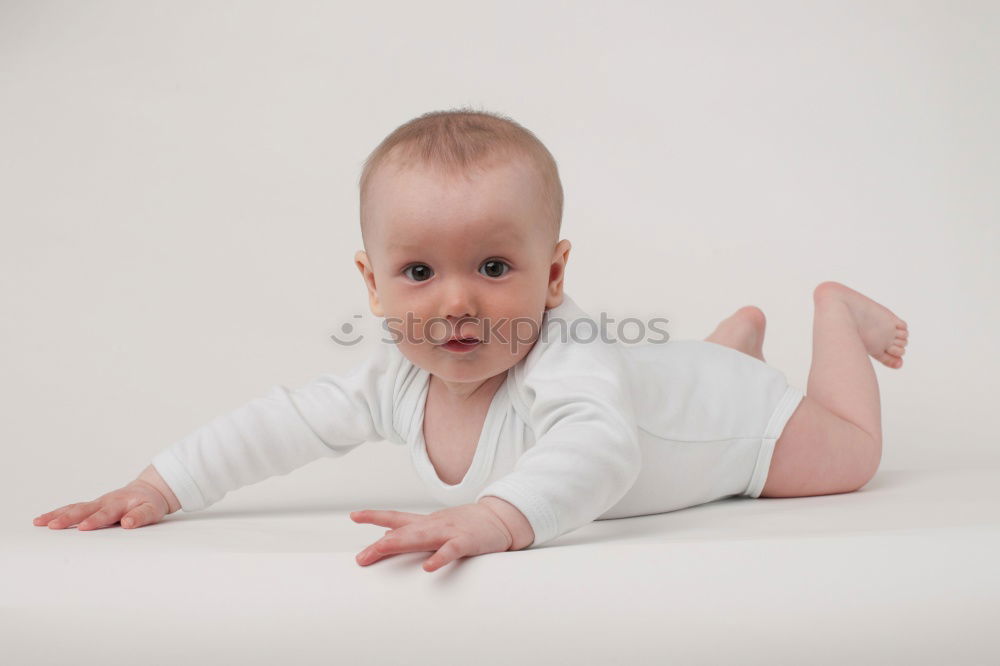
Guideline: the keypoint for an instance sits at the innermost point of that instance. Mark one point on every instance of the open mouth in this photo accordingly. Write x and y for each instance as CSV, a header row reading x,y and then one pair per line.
x,y
461,344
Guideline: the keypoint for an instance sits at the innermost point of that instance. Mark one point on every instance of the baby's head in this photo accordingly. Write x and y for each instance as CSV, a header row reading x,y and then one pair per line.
x,y
460,219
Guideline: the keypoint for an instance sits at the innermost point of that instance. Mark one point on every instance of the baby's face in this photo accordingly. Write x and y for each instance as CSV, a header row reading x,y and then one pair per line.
x,y
469,258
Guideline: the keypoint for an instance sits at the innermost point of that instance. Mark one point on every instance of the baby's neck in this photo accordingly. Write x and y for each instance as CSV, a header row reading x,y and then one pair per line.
x,y
458,393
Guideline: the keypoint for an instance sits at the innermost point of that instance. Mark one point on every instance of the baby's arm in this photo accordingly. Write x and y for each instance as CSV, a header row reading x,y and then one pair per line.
x,y
268,436
587,454
144,501
284,430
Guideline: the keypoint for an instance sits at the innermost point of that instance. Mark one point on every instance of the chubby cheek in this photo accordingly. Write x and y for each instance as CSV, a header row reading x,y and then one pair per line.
x,y
410,329
513,337
422,354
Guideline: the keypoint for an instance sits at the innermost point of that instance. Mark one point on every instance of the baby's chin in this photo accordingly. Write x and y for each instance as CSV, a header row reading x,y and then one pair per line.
x,y
474,365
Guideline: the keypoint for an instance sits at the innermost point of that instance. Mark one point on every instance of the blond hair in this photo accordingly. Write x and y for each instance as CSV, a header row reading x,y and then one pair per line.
x,y
459,140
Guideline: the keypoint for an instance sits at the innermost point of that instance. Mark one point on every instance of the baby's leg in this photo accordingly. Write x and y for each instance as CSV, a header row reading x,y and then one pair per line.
x,y
742,331
833,441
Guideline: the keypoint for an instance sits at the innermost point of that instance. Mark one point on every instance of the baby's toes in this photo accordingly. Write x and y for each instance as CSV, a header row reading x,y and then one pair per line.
x,y
889,360
896,350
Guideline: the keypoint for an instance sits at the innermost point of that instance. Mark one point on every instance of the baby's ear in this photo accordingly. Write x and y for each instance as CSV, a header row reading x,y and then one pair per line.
x,y
364,265
557,274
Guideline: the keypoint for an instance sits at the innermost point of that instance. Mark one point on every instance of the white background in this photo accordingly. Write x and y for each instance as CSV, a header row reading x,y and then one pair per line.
x,y
178,201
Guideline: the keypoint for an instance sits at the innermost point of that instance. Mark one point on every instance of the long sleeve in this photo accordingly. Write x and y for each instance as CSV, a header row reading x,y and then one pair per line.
x,y
283,430
586,455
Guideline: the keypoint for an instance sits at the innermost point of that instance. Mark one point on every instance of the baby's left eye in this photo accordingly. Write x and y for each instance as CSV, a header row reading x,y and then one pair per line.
x,y
494,268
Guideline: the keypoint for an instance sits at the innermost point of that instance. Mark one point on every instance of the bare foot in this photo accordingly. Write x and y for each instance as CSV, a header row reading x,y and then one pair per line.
x,y
742,331
884,334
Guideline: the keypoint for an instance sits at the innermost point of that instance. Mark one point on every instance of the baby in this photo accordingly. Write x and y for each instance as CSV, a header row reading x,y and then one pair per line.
x,y
524,424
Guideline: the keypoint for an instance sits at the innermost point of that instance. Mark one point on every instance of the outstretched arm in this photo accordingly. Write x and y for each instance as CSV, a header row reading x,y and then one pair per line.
x,y
282,431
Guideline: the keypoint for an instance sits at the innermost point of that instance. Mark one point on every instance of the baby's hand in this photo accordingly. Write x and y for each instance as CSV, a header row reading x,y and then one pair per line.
x,y
137,504
459,531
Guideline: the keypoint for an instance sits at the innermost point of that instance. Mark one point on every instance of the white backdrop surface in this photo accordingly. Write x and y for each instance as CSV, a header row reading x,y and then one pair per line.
x,y
178,208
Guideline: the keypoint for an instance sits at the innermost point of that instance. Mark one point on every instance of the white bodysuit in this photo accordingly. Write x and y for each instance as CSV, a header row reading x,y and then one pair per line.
x,y
582,429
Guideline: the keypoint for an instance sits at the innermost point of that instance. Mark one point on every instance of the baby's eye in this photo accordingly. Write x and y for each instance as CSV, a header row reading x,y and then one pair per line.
x,y
494,268
421,272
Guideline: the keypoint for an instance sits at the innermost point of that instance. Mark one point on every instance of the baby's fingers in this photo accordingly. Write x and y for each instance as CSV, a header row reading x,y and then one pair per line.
x,y
72,514
144,514
449,552
391,519
107,515
46,518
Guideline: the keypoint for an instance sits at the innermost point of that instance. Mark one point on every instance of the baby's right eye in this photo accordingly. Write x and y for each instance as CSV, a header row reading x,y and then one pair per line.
x,y
423,271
